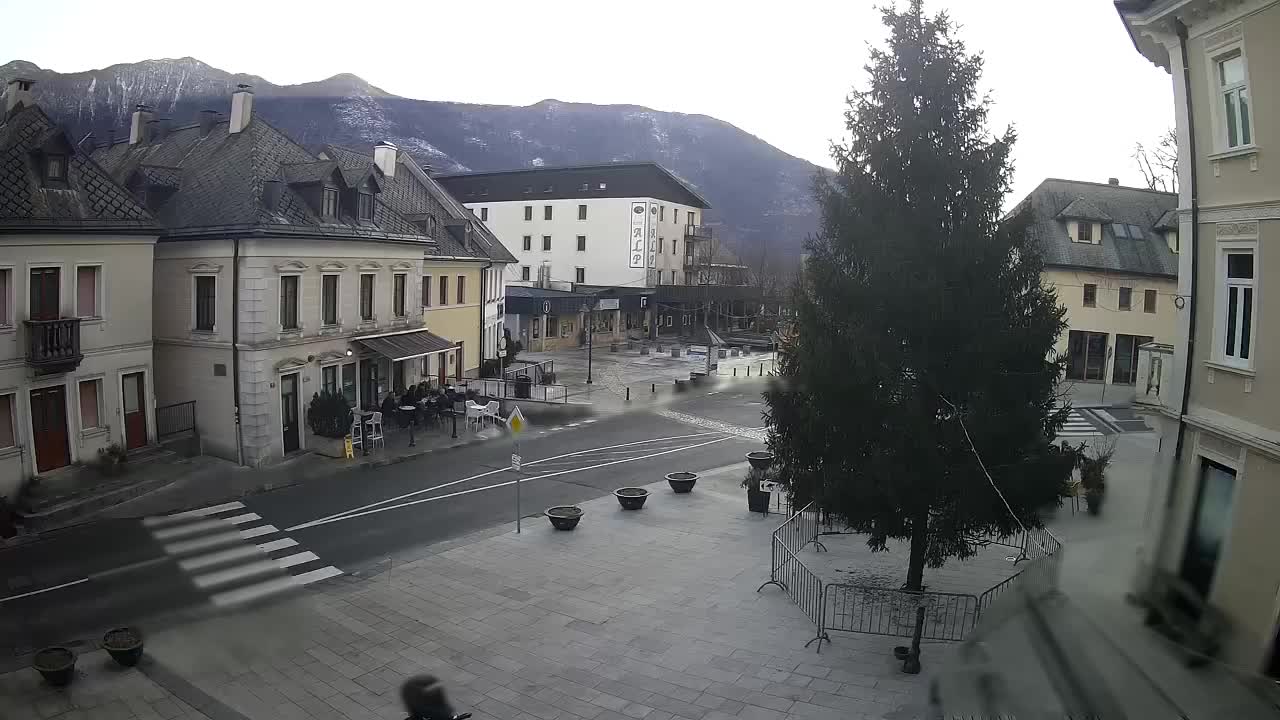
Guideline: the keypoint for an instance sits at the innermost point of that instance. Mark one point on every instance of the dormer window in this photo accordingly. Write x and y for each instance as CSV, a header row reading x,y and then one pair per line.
x,y
329,203
528,189
549,188
1084,232
364,206
55,168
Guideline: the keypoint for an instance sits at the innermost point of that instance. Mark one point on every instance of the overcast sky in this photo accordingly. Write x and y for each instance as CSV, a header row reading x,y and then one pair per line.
x,y
1064,73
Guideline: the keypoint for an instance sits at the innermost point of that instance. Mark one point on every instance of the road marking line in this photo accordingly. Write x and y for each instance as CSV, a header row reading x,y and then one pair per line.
x,y
239,572
199,512
184,530
323,573
486,474
353,515
204,543
297,559
242,519
280,544
44,590
253,592
217,558
258,531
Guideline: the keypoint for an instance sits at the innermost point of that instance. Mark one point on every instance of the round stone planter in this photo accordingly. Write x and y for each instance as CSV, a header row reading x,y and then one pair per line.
x,y
682,482
124,645
631,498
564,517
644,349
760,460
56,664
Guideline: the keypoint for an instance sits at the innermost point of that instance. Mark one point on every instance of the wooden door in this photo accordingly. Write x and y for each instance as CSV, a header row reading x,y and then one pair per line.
x,y
441,361
289,411
49,427
457,371
45,294
134,398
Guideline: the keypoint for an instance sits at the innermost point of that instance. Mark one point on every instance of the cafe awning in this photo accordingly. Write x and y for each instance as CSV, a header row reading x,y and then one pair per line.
x,y
406,345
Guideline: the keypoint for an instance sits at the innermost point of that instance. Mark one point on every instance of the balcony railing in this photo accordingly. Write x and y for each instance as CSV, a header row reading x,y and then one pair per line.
x,y
53,345
1154,386
697,232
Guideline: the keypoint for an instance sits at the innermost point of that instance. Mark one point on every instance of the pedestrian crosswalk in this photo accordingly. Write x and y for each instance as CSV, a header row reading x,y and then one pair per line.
x,y
233,555
1077,426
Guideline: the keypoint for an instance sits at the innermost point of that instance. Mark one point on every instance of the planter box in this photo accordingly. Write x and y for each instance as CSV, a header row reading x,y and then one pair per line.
x,y
564,517
56,664
760,460
682,482
124,645
631,498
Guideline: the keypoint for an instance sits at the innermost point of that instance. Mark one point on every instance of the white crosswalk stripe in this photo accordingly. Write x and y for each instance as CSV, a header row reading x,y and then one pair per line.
x,y
1077,426
235,555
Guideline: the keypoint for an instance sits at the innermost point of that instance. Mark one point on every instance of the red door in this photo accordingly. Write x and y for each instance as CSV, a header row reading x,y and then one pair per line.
x,y
44,294
135,410
49,426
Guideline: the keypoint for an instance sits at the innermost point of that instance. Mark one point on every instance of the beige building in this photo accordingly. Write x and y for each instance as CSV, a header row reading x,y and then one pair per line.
x,y
75,302
1111,254
281,273
1212,392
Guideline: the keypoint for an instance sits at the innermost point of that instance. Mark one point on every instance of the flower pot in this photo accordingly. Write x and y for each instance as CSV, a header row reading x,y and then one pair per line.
x,y
757,501
564,517
631,498
682,482
124,645
56,664
760,460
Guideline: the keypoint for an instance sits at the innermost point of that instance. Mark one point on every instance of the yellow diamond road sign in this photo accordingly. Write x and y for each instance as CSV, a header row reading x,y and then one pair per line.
x,y
516,423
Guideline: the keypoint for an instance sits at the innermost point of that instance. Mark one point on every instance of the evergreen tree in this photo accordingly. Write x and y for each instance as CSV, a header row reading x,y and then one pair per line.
x,y
923,346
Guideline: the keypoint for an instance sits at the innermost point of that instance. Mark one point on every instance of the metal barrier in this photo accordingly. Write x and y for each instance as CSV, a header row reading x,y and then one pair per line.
x,y
510,390
176,418
885,611
789,573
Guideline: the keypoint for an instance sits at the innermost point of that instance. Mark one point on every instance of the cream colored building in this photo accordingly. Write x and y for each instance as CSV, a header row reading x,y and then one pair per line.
x,y
1110,252
75,303
281,274
1217,403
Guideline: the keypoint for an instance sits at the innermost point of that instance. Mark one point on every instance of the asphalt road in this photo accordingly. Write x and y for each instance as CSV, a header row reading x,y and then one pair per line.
x,y
81,581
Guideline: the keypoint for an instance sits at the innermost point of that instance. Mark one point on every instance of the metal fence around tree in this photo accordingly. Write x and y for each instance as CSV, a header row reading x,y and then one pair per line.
x,y
789,573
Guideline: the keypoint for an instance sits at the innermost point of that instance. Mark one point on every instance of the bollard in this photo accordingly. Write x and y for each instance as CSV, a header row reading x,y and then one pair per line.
x,y
735,372
762,368
628,393
653,387
748,371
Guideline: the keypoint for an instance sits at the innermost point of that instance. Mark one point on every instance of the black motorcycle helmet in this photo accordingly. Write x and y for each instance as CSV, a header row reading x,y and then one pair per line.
x,y
424,699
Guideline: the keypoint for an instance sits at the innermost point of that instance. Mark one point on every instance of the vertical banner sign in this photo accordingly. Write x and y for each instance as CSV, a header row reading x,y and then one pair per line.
x,y
652,234
637,243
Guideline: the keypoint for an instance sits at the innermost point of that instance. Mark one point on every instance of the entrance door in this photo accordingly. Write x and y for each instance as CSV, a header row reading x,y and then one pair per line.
x,y
1086,355
49,426
45,294
289,411
1208,526
1125,368
369,383
134,393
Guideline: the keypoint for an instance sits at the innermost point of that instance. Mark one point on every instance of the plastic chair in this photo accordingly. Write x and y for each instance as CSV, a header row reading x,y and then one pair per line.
x,y
491,412
375,430
475,414
357,437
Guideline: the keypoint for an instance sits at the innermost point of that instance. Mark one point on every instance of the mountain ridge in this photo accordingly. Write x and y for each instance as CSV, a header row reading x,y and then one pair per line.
x,y
760,194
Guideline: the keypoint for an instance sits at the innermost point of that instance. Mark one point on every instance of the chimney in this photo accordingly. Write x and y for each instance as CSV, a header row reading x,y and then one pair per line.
x,y
208,118
19,91
427,169
111,137
158,129
241,108
384,156
1113,181
138,126
272,190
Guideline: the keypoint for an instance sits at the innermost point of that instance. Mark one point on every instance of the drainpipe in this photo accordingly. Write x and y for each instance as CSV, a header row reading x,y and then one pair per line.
x,y
235,342
1195,258
484,302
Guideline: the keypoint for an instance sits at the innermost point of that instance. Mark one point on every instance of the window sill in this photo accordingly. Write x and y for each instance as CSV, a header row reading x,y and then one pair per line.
x,y
291,332
198,333
1233,369
330,329
94,320
88,433
1240,151
8,328
11,451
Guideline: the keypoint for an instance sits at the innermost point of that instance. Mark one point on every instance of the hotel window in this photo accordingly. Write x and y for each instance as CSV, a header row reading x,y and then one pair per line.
x,y
1234,89
579,275
546,212
90,404
289,302
6,306
660,241
55,168
484,214
1126,298
1235,319
329,379
582,243
1090,295
462,289
524,272
88,286
329,203
206,289
1149,301
528,212
398,283
582,212
426,291
349,383
528,243
8,438
328,299
364,206
546,243
366,297
662,213
1084,232
444,289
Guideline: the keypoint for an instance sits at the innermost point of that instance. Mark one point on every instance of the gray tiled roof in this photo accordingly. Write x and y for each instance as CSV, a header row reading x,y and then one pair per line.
x,y
220,178
91,200
1149,255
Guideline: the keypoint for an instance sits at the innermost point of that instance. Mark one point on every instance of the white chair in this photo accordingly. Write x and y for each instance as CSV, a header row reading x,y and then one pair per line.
x,y
475,415
491,412
375,430
357,437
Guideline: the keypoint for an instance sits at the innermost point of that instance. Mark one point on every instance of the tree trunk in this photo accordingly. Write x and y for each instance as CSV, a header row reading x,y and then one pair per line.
x,y
919,545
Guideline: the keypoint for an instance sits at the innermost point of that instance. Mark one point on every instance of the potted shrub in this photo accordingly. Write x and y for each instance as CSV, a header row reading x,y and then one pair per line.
x,y
56,664
758,499
124,644
111,459
631,498
1093,471
564,517
329,415
682,482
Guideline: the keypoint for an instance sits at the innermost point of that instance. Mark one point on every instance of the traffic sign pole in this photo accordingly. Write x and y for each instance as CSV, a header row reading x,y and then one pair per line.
x,y
516,424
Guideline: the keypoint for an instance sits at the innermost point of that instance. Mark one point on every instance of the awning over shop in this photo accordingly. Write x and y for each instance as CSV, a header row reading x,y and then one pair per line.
x,y
406,345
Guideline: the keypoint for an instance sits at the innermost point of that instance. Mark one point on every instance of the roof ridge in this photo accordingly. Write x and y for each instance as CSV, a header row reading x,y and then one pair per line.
x,y
541,168
1107,185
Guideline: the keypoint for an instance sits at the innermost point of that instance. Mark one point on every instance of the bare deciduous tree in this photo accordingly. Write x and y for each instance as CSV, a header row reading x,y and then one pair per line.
x,y
1159,164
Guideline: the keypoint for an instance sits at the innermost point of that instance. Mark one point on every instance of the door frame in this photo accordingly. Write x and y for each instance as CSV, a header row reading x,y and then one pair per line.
x,y
302,444
26,283
149,403
24,392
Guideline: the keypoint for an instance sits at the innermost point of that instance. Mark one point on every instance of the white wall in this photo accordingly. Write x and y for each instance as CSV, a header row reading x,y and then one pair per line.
x,y
607,228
